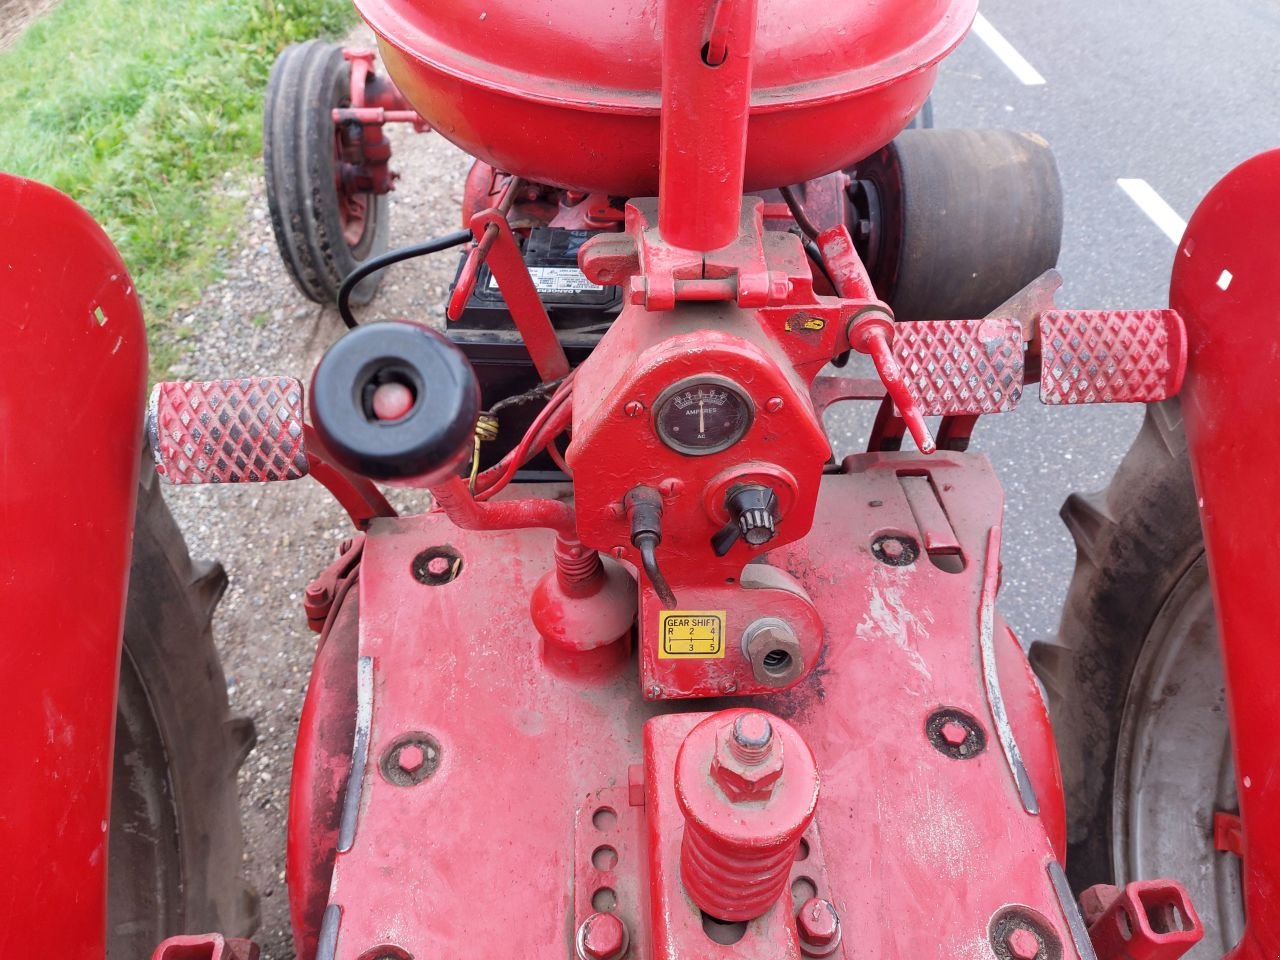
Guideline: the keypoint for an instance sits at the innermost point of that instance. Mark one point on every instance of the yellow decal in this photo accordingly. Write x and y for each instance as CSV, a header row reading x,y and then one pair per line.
x,y
804,323
691,635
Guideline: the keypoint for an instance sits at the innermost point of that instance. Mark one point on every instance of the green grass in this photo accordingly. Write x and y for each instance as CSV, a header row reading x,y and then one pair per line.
x,y
137,108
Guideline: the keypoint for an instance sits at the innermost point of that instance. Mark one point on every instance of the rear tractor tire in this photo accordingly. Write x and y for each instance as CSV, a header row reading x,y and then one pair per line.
x,y
1135,688
175,841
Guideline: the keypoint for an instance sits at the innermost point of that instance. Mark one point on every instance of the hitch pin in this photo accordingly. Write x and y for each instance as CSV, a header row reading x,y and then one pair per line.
x,y
869,333
476,256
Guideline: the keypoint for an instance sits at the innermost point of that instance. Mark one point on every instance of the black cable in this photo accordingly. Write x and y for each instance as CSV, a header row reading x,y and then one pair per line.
x,y
815,254
798,212
455,239
647,543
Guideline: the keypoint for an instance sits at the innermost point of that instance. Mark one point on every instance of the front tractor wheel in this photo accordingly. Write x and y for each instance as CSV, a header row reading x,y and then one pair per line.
x,y
1135,688
324,228
174,842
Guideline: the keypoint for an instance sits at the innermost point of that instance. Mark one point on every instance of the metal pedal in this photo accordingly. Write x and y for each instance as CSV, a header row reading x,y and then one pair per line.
x,y
961,367
1111,356
228,431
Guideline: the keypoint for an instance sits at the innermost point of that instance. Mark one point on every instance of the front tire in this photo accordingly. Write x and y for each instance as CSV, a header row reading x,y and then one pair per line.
x,y
323,233
175,840
1135,687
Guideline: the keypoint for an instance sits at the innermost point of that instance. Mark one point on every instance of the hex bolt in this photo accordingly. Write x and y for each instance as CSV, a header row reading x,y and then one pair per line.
x,y
438,566
892,548
1022,944
953,733
317,593
818,925
602,936
752,738
410,758
391,401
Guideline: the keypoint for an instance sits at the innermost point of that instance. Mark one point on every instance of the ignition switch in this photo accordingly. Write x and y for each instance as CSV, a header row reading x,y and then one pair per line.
x,y
753,516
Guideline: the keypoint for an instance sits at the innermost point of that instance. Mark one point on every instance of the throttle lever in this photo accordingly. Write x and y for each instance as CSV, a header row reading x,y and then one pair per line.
x,y
870,333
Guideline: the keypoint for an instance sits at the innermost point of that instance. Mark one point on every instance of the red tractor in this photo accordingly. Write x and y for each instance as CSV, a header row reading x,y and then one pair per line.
x,y
655,677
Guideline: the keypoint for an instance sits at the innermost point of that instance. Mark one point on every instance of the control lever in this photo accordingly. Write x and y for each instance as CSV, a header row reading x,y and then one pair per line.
x,y
753,516
644,510
396,402
871,332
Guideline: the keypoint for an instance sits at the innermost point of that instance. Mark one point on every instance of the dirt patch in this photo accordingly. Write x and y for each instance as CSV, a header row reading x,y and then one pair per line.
x,y
17,15
274,538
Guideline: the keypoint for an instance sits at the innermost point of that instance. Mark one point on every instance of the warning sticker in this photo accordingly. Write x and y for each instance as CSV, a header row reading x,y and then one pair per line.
x,y
556,280
691,635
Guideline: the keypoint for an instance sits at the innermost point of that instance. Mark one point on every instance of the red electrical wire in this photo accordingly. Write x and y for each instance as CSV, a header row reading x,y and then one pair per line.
x,y
550,422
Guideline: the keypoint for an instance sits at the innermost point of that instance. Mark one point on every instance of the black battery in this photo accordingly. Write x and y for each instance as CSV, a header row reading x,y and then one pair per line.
x,y
580,311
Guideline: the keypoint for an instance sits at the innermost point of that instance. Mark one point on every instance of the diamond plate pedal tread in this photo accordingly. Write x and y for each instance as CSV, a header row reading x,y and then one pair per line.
x,y
248,430
1111,356
961,367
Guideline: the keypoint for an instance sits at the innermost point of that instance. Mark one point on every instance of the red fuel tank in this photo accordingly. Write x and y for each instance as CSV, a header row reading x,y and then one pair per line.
x,y
568,92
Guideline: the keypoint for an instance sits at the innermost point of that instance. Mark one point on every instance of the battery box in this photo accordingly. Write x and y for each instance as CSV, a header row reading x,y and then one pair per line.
x,y
580,311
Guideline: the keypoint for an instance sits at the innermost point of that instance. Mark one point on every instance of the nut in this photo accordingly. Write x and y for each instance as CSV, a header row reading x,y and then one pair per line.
x,y
410,758
953,733
1022,944
743,781
818,925
602,936
774,652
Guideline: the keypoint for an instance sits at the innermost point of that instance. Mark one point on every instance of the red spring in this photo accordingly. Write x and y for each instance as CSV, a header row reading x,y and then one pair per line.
x,y
743,821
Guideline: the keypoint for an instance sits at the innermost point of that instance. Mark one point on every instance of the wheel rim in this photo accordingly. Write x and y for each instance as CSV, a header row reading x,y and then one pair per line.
x,y
144,866
353,208
1174,767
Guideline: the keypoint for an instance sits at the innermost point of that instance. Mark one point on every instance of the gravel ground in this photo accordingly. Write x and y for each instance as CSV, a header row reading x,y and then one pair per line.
x,y
273,539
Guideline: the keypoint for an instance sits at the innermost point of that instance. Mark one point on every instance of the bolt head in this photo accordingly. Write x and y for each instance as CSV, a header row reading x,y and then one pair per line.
x,y
410,758
602,936
391,401
892,548
634,408
317,593
438,566
745,782
773,404
818,923
1022,944
953,733
752,730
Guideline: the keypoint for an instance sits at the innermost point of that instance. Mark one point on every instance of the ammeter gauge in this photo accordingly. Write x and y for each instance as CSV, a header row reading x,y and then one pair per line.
x,y
702,415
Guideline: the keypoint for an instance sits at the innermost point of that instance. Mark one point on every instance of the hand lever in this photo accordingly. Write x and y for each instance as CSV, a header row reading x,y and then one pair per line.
x,y
870,333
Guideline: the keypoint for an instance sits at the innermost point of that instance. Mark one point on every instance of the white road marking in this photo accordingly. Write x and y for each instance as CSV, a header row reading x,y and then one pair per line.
x,y
1154,206
1003,49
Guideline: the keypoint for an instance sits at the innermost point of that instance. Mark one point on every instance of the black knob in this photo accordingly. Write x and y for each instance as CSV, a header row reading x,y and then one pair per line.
x,y
753,516
757,526
396,401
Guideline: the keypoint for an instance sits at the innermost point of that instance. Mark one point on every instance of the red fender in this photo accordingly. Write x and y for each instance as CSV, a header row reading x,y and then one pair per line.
x,y
73,366
1226,285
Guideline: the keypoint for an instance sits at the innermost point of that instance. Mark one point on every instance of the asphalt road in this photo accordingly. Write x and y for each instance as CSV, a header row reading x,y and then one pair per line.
x,y
1173,93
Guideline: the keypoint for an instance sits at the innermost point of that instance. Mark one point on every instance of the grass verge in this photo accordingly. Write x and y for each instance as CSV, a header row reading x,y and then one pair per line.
x,y
137,108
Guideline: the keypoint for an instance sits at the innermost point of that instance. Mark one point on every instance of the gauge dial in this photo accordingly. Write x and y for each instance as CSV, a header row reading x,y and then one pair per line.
x,y
703,415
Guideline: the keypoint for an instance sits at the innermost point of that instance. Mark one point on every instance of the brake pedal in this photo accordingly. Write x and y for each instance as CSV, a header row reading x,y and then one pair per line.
x,y
1111,356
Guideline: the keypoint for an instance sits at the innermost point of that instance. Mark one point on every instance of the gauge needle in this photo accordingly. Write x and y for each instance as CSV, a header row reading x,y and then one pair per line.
x,y
702,426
